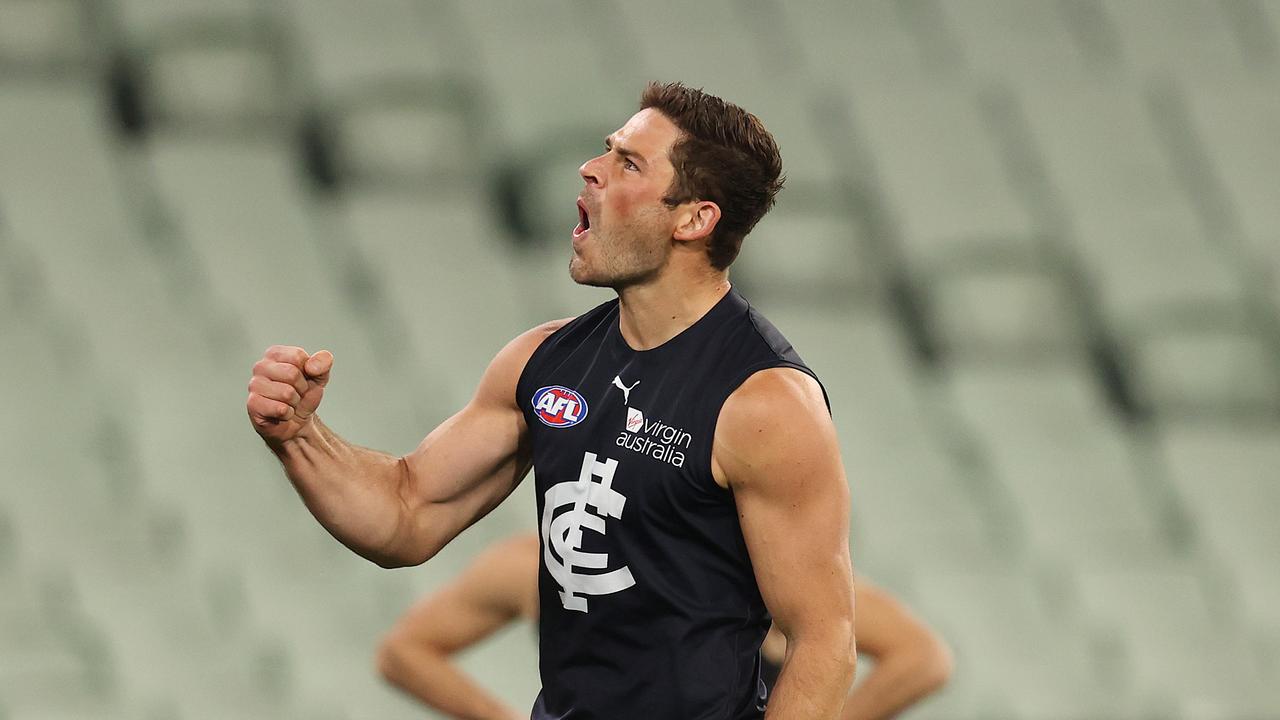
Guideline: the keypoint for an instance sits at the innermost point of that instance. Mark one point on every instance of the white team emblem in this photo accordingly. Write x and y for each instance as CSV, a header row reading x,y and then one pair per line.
x,y
563,533
626,391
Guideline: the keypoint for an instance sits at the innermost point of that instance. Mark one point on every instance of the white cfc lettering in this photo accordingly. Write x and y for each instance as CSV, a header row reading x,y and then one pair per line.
x,y
563,533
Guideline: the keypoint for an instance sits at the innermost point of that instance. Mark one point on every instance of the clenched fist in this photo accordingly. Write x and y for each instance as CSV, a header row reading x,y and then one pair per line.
x,y
285,391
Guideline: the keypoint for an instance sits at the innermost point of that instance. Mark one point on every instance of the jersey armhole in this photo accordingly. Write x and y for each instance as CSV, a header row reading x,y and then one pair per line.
x,y
737,382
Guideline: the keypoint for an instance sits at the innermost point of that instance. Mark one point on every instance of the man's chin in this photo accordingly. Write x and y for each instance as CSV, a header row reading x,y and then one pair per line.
x,y
591,281
580,274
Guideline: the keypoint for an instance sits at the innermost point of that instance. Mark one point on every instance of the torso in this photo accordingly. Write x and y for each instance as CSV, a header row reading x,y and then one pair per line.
x,y
648,605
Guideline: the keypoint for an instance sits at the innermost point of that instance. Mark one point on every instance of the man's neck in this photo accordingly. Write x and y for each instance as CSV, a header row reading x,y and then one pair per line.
x,y
655,312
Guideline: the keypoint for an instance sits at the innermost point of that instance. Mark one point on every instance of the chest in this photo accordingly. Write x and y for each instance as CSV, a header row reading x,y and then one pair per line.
x,y
640,430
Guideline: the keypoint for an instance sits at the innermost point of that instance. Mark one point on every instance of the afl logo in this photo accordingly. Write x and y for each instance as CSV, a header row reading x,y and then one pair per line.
x,y
559,406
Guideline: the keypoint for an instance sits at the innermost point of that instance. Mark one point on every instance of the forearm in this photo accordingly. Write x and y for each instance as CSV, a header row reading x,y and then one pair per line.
x,y
815,678
435,681
354,492
897,682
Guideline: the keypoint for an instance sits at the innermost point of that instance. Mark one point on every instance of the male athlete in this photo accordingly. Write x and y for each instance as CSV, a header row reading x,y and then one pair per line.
x,y
688,480
501,587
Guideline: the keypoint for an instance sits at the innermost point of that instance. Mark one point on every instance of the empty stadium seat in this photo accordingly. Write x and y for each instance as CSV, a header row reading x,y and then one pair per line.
x,y
1235,123
1207,364
52,650
1063,460
1131,224
342,46
516,47
208,67
1177,645
941,171
243,213
809,247
56,154
46,37
426,253
1225,473
1193,38
875,42
1018,41
406,132
1005,305
1000,626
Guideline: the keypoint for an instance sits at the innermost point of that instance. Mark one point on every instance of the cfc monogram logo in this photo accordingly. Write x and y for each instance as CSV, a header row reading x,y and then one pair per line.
x,y
563,533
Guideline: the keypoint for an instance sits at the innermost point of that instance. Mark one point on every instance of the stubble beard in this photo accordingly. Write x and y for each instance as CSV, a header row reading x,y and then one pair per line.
x,y
629,256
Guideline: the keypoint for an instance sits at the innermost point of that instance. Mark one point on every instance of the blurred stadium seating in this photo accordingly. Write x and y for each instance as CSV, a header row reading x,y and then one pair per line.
x,y
1033,248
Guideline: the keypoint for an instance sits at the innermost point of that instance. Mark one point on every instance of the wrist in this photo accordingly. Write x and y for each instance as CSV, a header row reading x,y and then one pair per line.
x,y
284,447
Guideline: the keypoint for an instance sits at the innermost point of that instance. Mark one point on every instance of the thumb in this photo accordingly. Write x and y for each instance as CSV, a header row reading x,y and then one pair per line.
x,y
317,367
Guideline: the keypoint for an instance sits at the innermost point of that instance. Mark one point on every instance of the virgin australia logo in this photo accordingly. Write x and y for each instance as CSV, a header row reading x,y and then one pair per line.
x,y
635,420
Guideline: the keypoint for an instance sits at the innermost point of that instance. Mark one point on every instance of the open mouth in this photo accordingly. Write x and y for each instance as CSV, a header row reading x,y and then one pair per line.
x,y
584,220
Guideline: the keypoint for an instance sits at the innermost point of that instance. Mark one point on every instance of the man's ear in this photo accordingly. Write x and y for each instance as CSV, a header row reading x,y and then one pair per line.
x,y
697,220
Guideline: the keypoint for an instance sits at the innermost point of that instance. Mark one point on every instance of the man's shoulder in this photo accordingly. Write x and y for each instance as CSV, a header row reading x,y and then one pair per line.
x,y
767,391
776,411
518,351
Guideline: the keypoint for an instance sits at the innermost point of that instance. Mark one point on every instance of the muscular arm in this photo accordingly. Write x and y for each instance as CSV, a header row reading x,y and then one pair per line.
x,y
396,511
775,448
911,661
497,589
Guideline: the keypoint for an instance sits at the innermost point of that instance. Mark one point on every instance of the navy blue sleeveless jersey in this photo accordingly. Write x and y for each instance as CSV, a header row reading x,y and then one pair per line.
x,y
648,602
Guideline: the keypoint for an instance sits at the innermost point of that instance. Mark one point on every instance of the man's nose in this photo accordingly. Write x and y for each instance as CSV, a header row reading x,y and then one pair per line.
x,y
590,172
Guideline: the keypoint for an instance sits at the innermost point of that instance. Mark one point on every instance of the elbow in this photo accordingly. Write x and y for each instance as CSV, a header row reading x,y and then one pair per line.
x,y
936,665
405,661
402,559
408,544
926,664
392,659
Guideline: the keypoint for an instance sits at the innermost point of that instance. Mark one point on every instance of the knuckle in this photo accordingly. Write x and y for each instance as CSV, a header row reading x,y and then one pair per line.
x,y
285,394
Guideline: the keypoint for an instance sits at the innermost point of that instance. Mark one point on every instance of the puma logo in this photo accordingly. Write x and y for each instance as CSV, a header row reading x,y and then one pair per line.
x,y
626,391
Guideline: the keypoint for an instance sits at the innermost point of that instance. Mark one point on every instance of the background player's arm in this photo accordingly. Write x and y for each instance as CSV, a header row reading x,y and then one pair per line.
x,y
396,511
911,661
775,448
494,591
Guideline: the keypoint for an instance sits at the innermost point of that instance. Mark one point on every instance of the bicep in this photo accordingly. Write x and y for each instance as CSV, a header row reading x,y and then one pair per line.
x,y
777,447
473,460
482,449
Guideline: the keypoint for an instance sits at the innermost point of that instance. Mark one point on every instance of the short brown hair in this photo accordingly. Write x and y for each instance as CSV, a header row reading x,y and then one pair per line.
x,y
724,155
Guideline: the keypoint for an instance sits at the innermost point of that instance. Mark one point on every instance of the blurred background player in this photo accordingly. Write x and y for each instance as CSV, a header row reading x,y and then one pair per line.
x,y
501,587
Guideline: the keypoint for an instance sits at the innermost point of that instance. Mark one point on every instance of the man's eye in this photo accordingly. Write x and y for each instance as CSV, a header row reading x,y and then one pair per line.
x,y
630,165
